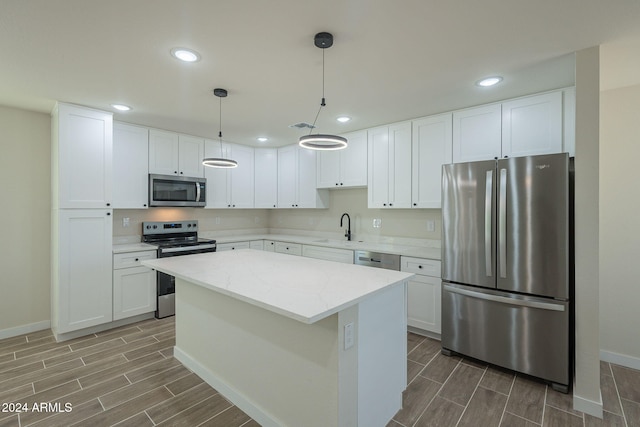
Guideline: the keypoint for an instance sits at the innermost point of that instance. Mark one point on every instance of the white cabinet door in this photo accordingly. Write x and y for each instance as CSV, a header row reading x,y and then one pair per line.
x,y
344,256
353,160
423,303
266,178
308,193
378,167
242,177
477,133
82,288
431,148
287,176
399,169
163,152
130,166
134,292
232,246
423,295
389,173
269,245
289,248
257,245
82,153
190,156
532,125
329,169
218,182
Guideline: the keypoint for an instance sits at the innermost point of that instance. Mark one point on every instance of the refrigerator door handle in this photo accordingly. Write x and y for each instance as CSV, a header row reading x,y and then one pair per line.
x,y
487,223
502,221
505,300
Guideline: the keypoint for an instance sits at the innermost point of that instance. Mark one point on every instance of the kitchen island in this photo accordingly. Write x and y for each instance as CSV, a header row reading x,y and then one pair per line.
x,y
293,341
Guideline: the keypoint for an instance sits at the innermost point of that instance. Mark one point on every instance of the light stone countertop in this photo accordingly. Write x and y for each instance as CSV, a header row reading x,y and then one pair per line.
x,y
303,289
388,248
133,247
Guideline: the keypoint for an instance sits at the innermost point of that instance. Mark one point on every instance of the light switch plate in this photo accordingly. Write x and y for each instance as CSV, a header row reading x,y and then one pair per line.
x,y
348,336
431,225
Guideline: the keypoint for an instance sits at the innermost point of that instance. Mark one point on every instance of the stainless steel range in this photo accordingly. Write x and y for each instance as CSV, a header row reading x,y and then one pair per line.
x,y
173,238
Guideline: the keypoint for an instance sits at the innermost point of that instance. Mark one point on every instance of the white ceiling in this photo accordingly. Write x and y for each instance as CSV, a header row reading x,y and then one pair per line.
x,y
390,60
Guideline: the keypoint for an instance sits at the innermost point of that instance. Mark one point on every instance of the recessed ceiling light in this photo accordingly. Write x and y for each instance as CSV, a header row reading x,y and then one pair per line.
x,y
343,119
186,55
489,81
121,107
263,139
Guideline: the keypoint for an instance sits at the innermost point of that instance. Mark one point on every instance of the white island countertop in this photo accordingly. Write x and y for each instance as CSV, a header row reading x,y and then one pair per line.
x,y
299,288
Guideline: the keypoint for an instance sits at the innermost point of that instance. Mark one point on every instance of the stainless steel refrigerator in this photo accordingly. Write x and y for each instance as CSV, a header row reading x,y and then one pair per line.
x,y
507,264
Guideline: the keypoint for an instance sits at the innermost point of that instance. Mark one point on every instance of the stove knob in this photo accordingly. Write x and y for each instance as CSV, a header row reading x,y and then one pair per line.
x,y
194,225
155,226
188,225
148,227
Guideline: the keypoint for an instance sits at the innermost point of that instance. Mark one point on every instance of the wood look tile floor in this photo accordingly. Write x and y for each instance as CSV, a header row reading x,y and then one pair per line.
x,y
128,377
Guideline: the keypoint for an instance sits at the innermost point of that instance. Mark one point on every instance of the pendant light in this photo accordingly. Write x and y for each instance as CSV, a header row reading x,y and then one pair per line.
x,y
220,162
322,141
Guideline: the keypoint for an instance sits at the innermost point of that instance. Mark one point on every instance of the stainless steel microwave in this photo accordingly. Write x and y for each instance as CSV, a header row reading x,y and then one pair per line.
x,y
183,191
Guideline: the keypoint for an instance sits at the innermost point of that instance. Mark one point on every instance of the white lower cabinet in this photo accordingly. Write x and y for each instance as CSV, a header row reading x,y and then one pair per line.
x,y
232,246
82,256
269,246
288,248
423,299
134,286
330,254
257,245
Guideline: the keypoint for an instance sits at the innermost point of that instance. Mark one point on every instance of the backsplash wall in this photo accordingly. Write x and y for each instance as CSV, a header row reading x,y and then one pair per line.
x,y
406,223
411,223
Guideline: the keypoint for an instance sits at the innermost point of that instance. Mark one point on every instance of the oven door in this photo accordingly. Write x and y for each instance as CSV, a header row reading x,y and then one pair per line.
x,y
169,190
166,284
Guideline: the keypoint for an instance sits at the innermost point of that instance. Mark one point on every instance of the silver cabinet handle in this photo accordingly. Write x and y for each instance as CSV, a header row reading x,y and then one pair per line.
x,y
487,223
502,229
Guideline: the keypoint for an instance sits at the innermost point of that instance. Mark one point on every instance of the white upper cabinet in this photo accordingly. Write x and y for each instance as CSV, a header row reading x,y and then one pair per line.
x,y
297,179
266,178
242,177
230,188
532,125
431,148
477,133
130,166
527,126
174,154
347,167
389,174
190,156
82,157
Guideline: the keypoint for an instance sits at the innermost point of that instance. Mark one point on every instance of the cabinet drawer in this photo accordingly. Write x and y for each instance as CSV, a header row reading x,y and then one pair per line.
x,y
289,248
422,266
232,246
269,245
131,259
330,254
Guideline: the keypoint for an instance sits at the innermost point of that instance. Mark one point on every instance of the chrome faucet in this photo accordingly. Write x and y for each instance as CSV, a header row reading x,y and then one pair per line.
x,y
347,234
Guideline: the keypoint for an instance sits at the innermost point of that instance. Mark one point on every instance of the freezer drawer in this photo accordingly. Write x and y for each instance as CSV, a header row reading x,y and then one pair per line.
x,y
525,334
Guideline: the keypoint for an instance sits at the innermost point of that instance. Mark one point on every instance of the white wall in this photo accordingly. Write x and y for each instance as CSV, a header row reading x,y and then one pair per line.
x,y
619,226
25,173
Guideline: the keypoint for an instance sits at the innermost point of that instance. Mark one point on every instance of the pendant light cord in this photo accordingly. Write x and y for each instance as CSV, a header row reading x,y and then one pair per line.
x,y
220,124
322,103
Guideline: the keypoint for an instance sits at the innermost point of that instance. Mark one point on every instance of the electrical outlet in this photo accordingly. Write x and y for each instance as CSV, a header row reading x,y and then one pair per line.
x,y
348,336
125,222
256,220
377,222
431,225
310,221
217,220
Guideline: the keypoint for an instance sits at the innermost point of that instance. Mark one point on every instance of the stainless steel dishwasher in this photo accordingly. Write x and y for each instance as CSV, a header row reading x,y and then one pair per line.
x,y
376,259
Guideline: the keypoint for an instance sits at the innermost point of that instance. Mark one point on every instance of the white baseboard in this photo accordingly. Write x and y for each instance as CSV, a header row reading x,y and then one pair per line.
x,y
587,406
260,416
620,359
60,337
25,329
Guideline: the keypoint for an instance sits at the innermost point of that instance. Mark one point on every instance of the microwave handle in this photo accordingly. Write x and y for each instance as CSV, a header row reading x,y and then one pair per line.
x,y
197,191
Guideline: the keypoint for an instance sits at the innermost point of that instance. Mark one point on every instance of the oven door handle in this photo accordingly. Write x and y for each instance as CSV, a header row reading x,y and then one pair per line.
x,y
187,248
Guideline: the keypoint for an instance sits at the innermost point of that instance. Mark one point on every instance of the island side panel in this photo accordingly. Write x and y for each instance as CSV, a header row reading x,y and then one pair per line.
x,y
279,371
382,355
